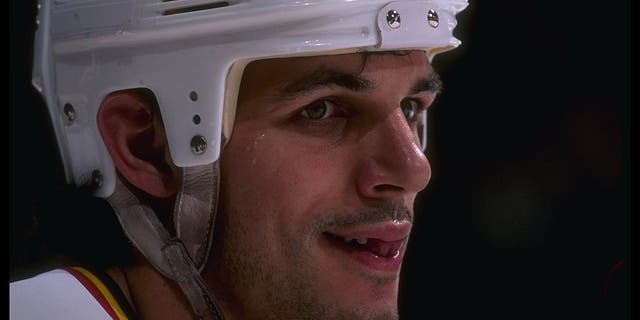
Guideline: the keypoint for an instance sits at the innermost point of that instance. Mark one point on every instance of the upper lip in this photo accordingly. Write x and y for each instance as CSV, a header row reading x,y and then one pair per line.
x,y
387,231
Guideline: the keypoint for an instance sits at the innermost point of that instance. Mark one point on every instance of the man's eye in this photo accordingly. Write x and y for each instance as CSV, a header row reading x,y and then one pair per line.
x,y
319,110
410,108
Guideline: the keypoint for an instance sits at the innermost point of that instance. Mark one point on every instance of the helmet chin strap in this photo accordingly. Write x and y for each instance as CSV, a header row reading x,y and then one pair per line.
x,y
194,211
183,257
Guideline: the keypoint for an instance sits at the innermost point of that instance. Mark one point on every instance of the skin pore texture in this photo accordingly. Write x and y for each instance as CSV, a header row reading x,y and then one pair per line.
x,y
321,151
317,187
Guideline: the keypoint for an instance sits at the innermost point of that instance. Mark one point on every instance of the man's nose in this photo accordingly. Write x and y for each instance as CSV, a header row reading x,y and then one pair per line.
x,y
394,164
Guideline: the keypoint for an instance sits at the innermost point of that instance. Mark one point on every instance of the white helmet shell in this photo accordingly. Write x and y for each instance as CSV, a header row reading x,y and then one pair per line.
x,y
191,55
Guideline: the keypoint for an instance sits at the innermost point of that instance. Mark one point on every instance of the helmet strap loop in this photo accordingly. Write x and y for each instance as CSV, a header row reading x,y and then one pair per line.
x,y
194,211
171,256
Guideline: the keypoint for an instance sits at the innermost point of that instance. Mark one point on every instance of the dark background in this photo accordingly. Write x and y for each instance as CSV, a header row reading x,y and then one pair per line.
x,y
532,145
529,206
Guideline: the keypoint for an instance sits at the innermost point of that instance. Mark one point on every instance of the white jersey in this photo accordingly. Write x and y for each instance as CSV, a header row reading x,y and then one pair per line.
x,y
70,293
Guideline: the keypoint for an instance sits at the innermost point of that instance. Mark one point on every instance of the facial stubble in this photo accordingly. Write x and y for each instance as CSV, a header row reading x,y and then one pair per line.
x,y
248,266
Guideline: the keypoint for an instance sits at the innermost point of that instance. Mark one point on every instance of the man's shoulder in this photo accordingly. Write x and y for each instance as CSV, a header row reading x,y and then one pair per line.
x,y
70,293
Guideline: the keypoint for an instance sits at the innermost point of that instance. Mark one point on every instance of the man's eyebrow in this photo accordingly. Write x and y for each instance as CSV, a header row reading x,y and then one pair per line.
x,y
430,83
326,78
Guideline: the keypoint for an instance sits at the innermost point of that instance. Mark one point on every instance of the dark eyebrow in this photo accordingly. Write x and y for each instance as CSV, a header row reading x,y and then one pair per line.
x,y
431,83
326,78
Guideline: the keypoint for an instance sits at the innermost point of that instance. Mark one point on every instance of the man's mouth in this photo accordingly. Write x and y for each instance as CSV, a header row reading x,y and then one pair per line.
x,y
379,247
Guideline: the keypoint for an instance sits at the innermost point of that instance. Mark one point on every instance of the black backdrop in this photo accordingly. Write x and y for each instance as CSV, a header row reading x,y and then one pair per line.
x,y
529,206
528,213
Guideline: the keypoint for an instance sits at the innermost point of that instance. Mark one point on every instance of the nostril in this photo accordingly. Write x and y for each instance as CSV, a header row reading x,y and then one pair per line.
x,y
387,187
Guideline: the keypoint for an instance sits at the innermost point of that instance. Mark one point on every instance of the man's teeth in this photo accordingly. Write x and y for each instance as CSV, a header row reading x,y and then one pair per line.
x,y
361,241
376,246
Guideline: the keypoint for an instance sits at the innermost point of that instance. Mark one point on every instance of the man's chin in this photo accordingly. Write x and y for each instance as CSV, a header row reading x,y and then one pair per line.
x,y
366,298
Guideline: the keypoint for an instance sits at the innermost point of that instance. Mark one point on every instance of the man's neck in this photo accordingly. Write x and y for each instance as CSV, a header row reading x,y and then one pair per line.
x,y
149,293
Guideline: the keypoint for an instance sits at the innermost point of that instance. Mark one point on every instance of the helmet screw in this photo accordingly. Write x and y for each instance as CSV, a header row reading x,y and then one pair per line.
x,y
193,96
198,145
70,112
96,179
393,19
432,17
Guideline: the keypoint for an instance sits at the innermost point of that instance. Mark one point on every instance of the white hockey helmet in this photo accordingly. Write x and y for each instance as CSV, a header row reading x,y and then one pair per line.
x,y
191,55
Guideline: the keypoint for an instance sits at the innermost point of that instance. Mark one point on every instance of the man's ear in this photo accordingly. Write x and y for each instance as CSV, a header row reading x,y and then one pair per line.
x,y
136,141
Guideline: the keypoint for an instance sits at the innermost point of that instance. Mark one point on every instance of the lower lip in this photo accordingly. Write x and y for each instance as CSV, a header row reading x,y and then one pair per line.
x,y
387,265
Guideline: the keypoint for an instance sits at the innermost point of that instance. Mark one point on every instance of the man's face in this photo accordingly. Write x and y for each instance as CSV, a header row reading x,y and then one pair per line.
x,y
318,184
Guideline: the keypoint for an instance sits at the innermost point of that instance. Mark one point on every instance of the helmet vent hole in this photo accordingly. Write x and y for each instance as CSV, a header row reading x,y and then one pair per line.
x,y
185,7
196,119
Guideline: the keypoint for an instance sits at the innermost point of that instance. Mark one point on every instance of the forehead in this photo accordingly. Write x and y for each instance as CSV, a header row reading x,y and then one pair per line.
x,y
376,66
